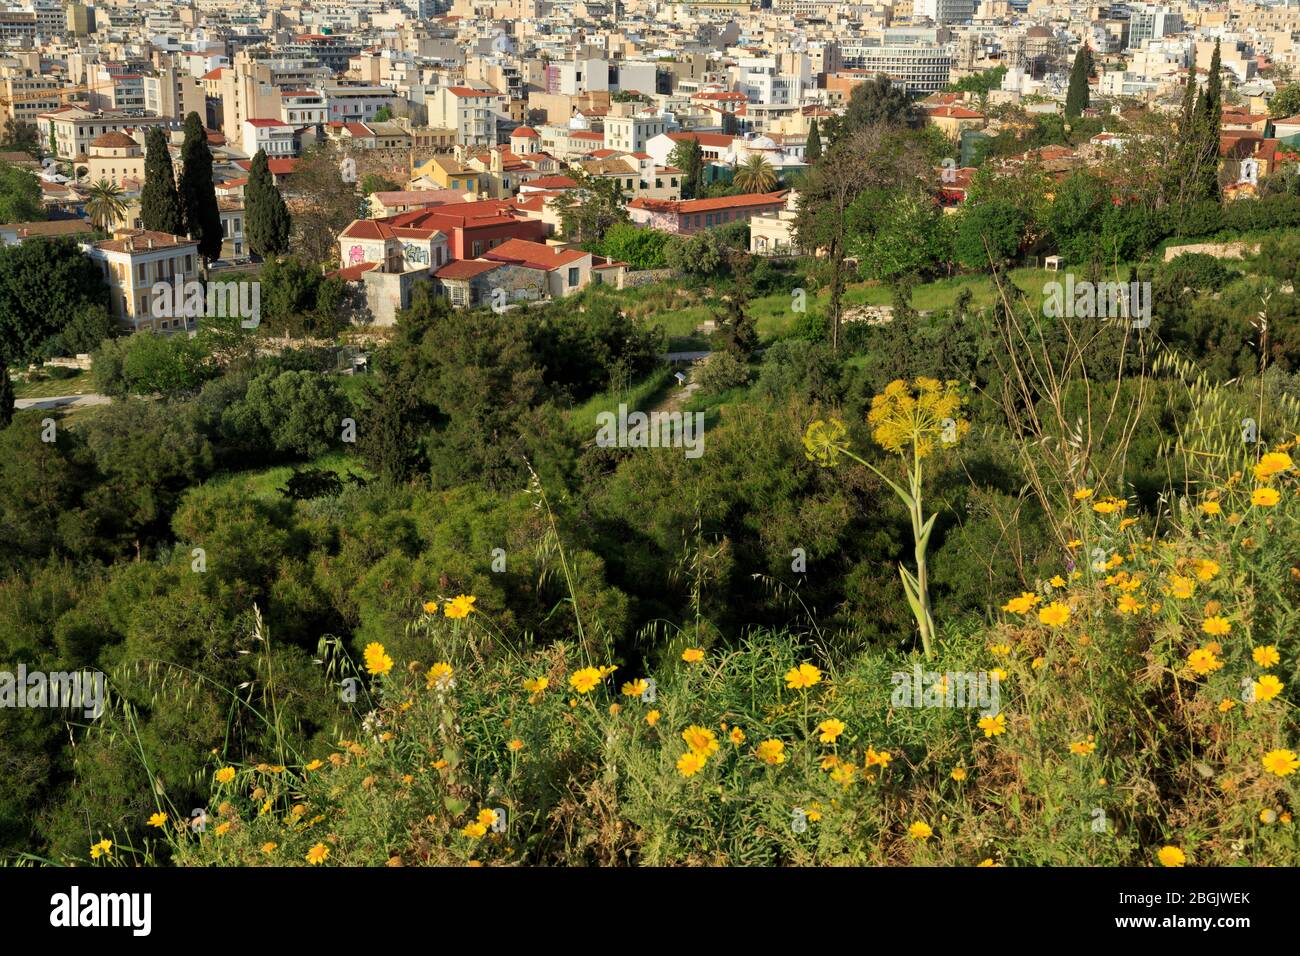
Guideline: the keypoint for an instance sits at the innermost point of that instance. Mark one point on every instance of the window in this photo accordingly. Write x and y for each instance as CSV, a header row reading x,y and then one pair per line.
x,y
142,272
478,249
573,278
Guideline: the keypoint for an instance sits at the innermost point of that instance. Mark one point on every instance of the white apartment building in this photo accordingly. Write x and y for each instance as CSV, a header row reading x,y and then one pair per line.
x,y
630,134
945,11
578,76
769,81
172,92
921,68
74,128
355,104
471,113
1149,22
303,108
273,135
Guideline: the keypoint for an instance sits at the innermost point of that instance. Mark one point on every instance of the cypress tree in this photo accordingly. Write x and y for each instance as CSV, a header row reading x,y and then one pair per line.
x,y
265,216
1209,117
1188,116
813,151
1076,96
160,203
1212,106
198,194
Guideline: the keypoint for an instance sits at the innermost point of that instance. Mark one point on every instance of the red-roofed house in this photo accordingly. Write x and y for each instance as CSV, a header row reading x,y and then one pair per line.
x,y
952,120
414,239
686,217
515,271
567,270
716,147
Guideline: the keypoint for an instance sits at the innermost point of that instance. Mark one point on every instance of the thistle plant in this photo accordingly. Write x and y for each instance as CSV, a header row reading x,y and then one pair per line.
x,y
907,418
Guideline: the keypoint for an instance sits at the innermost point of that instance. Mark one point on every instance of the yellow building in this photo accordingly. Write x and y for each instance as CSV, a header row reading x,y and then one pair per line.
x,y
448,173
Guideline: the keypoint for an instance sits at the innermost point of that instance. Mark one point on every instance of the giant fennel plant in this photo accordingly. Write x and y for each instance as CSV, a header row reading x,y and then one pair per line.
x,y
909,419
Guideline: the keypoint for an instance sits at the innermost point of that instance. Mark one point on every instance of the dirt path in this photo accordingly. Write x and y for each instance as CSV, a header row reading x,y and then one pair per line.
x,y
62,401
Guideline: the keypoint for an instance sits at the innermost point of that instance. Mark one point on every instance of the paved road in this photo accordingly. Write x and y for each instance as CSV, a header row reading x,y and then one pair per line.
x,y
62,401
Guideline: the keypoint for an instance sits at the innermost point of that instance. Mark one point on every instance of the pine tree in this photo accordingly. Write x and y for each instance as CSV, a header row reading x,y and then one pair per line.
x,y
198,195
1076,96
813,151
265,216
6,395
160,203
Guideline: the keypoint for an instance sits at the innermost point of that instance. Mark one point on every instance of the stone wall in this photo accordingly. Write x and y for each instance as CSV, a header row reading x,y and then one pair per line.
x,y
634,280
1220,250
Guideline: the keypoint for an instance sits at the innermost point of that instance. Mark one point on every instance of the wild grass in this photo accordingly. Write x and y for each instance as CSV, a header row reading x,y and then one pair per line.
x,y
267,482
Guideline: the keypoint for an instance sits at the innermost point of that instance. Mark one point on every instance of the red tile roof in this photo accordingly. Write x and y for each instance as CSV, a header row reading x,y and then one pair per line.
x,y
144,241
277,167
534,254
553,182
423,223
354,273
953,112
704,139
466,269
687,207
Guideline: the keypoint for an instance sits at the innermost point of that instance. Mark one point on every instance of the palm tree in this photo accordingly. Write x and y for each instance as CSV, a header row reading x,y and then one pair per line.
x,y
104,204
755,175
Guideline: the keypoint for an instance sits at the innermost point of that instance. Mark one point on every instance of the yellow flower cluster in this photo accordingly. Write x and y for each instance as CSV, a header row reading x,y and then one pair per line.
x,y
918,415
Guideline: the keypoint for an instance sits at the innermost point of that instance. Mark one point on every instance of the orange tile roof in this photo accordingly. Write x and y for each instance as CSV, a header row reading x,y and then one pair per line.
x,y
687,207
534,254
466,269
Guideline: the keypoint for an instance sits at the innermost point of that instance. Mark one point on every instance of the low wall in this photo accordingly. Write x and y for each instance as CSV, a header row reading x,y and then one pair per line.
x,y
633,280
1220,250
